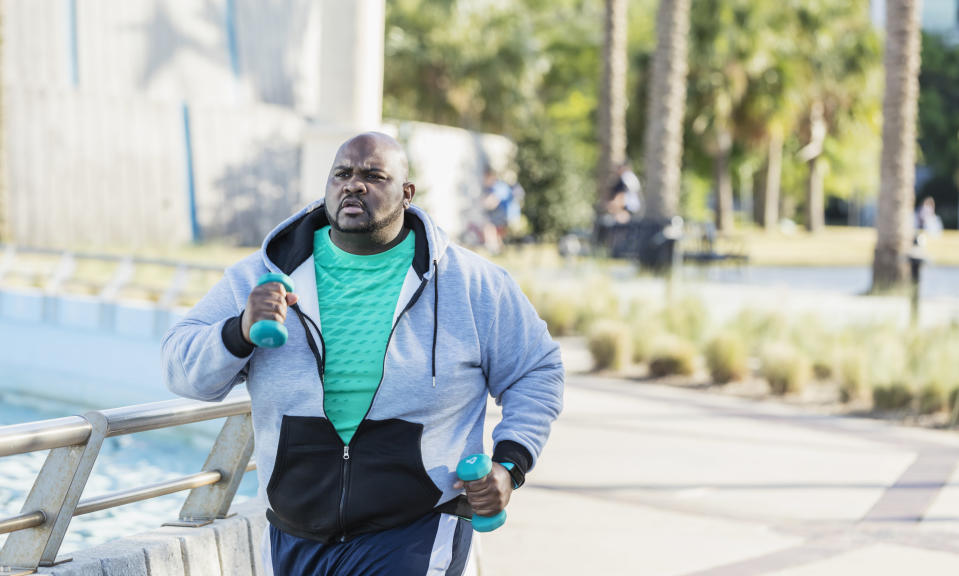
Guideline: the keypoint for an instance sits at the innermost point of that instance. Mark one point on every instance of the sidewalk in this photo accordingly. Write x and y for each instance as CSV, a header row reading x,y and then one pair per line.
x,y
640,479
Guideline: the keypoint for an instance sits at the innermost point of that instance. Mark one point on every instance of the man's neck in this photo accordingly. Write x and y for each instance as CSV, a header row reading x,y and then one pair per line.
x,y
368,243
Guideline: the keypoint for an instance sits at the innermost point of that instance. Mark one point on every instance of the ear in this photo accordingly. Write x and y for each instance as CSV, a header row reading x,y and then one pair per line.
x,y
409,190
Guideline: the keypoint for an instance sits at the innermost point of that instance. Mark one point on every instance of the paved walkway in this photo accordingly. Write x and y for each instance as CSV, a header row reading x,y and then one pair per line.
x,y
640,479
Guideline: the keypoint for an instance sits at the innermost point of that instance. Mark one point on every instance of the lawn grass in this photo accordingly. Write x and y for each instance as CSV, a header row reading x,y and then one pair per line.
x,y
834,246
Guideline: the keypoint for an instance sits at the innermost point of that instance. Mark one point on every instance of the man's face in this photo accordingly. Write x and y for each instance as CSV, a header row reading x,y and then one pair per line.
x,y
365,191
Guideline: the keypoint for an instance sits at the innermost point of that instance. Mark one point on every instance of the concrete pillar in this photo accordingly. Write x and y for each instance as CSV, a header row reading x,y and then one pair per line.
x,y
350,85
351,64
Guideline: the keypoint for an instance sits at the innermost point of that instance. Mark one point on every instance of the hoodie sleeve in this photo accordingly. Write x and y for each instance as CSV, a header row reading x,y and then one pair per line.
x,y
524,373
201,356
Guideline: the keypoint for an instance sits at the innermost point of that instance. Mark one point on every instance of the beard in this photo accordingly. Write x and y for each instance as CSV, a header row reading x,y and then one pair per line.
x,y
370,226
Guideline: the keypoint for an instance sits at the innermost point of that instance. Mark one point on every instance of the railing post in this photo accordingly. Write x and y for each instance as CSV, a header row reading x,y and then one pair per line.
x,y
229,456
55,493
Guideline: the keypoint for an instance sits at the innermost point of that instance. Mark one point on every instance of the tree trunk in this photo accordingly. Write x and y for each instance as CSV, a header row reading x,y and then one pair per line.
x,y
774,171
894,225
815,206
723,182
663,143
612,103
759,185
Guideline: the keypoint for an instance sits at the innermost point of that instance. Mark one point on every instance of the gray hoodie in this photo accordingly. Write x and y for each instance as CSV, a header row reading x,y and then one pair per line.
x,y
462,329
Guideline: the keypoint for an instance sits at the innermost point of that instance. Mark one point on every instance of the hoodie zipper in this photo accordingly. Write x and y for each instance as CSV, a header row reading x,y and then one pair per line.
x,y
345,475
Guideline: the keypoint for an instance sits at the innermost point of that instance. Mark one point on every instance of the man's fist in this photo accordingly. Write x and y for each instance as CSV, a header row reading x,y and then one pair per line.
x,y
488,495
266,302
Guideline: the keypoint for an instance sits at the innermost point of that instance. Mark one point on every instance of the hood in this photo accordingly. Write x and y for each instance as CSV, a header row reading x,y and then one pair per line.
x,y
291,243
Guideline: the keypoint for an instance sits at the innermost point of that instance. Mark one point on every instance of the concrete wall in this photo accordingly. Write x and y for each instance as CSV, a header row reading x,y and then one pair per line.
x,y
228,547
90,170
99,354
202,52
162,122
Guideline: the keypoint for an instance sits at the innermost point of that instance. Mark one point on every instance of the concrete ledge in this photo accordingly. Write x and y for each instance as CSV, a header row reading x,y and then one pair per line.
x,y
228,547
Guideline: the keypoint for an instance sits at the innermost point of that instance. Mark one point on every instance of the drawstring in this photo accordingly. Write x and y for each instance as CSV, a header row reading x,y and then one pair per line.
x,y
436,299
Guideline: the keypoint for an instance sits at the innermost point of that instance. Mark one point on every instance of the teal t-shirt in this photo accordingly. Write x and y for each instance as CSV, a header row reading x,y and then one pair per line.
x,y
357,296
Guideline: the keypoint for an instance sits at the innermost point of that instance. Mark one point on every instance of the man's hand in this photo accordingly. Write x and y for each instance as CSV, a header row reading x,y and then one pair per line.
x,y
488,495
266,302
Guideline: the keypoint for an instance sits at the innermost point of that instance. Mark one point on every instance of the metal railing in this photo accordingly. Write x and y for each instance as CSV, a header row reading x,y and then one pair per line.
x,y
36,533
54,278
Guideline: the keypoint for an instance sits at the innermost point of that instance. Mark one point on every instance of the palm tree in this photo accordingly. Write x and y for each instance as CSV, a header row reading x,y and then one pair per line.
x,y
894,224
667,104
612,99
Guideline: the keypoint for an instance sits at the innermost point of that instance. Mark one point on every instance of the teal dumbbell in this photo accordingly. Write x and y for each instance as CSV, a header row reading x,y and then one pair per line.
x,y
473,468
270,333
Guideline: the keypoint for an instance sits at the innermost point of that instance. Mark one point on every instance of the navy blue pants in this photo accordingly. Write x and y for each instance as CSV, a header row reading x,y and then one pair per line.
x,y
435,544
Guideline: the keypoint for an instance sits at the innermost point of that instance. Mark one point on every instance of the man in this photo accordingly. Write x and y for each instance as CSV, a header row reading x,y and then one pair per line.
x,y
625,202
498,203
359,426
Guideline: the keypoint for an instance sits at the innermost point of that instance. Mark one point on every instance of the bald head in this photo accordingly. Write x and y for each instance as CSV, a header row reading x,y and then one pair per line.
x,y
367,193
385,144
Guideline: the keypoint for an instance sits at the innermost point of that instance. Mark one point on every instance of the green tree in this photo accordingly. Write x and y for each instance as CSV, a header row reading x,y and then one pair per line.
x,y
837,52
749,97
528,70
896,197
733,86
939,121
458,63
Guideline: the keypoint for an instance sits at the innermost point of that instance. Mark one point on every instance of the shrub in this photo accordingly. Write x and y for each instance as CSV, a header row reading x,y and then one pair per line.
x,y
852,376
646,329
686,317
932,398
672,355
559,311
609,343
596,302
758,327
894,396
644,340
785,368
822,368
727,358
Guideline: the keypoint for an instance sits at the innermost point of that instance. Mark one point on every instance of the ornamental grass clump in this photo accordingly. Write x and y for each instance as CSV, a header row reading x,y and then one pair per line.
x,y
686,317
785,368
559,310
727,358
931,398
645,329
758,327
672,355
597,302
609,343
892,396
817,343
852,376
936,368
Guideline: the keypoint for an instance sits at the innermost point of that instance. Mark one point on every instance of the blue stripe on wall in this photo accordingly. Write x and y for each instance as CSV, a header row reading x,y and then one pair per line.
x,y
74,60
190,182
231,37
